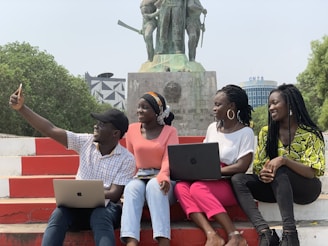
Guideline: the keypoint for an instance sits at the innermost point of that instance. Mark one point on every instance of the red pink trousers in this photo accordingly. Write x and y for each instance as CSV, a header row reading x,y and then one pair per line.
x,y
209,197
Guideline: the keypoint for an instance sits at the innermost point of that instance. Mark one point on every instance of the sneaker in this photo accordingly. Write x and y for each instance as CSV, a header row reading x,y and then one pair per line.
x,y
289,239
268,238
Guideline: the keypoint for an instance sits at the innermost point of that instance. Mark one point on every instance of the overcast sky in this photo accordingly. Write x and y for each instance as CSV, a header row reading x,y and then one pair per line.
x,y
243,38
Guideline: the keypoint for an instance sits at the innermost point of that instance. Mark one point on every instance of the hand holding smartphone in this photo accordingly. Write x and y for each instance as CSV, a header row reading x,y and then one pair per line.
x,y
19,90
16,100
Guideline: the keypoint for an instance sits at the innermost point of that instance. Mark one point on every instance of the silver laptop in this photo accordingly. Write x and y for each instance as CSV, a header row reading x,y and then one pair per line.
x,y
196,161
75,193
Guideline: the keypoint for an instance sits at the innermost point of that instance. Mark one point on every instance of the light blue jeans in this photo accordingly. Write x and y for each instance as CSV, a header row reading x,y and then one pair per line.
x,y
136,193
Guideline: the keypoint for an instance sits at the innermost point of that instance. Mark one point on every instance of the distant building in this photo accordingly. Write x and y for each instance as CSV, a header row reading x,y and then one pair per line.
x,y
258,90
107,89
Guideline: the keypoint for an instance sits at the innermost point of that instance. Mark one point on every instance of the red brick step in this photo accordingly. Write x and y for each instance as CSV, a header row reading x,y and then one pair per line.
x,y
33,186
47,146
31,210
182,234
50,165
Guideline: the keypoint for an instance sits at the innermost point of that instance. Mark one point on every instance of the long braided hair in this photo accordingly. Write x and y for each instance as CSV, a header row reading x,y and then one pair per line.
x,y
296,105
238,96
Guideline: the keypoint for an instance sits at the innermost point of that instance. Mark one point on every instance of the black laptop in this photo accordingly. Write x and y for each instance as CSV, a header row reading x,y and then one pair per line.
x,y
196,161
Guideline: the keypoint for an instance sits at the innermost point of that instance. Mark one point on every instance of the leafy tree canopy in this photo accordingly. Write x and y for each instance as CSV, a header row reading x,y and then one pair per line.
x,y
313,82
260,118
48,88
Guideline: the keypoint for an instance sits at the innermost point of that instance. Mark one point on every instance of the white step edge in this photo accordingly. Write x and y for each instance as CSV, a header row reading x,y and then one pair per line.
x,y
4,187
11,165
311,212
17,146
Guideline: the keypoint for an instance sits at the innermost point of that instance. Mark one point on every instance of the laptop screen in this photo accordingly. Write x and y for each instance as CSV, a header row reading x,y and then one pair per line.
x,y
196,161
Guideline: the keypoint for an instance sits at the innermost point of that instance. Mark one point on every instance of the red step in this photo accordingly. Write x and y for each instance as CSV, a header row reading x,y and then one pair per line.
x,y
182,234
33,186
191,139
177,214
47,146
50,165
27,210
31,210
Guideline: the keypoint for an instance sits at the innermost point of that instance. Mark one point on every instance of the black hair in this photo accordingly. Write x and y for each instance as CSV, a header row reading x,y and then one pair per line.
x,y
153,103
239,96
296,105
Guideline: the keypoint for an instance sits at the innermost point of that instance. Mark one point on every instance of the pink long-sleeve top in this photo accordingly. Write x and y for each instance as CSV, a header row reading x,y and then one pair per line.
x,y
152,153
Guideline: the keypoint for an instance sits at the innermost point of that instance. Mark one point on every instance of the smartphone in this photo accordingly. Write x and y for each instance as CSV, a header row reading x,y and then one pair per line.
x,y
20,90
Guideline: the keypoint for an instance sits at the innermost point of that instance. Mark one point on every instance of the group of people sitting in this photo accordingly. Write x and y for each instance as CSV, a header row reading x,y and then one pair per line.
x,y
289,156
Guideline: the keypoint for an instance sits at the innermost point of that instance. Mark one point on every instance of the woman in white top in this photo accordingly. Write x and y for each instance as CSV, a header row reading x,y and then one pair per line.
x,y
203,201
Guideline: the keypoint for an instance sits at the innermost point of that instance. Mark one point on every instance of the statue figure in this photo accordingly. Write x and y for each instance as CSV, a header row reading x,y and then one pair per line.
x,y
194,26
149,13
171,26
171,19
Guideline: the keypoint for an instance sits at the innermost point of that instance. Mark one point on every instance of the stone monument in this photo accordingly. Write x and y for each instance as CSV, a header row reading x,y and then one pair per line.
x,y
187,87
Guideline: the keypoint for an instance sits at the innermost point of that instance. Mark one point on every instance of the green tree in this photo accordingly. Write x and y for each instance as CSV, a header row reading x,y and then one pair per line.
x,y
259,118
323,118
313,82
49,90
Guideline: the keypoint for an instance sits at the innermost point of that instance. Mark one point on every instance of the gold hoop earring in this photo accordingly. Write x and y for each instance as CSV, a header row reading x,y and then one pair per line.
x,y
229,112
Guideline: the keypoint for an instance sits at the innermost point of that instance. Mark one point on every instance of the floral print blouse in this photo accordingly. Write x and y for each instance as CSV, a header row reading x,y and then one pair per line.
x,y
305,148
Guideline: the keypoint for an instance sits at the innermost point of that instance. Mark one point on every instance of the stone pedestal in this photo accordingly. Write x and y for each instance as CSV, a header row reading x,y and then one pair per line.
x,y
189,95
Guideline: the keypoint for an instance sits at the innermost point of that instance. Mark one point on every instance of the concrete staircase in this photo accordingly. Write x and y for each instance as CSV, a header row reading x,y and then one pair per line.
x,y
28,165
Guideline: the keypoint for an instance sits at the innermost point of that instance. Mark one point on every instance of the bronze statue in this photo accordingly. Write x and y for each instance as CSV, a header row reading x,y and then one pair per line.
x,y
171,19
194,26
171,27
149,23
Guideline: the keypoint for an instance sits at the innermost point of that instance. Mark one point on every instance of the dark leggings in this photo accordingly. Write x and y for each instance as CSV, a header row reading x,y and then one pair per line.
x,y
287,187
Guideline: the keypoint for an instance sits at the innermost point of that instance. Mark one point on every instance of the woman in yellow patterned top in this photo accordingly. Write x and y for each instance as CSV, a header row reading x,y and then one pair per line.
x,y
288,158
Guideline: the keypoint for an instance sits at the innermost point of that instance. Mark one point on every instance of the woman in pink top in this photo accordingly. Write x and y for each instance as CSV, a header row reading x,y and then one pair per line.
x,y
148,140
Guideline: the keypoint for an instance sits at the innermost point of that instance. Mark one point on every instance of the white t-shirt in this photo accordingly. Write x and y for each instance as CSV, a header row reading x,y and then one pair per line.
x,y
232,146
